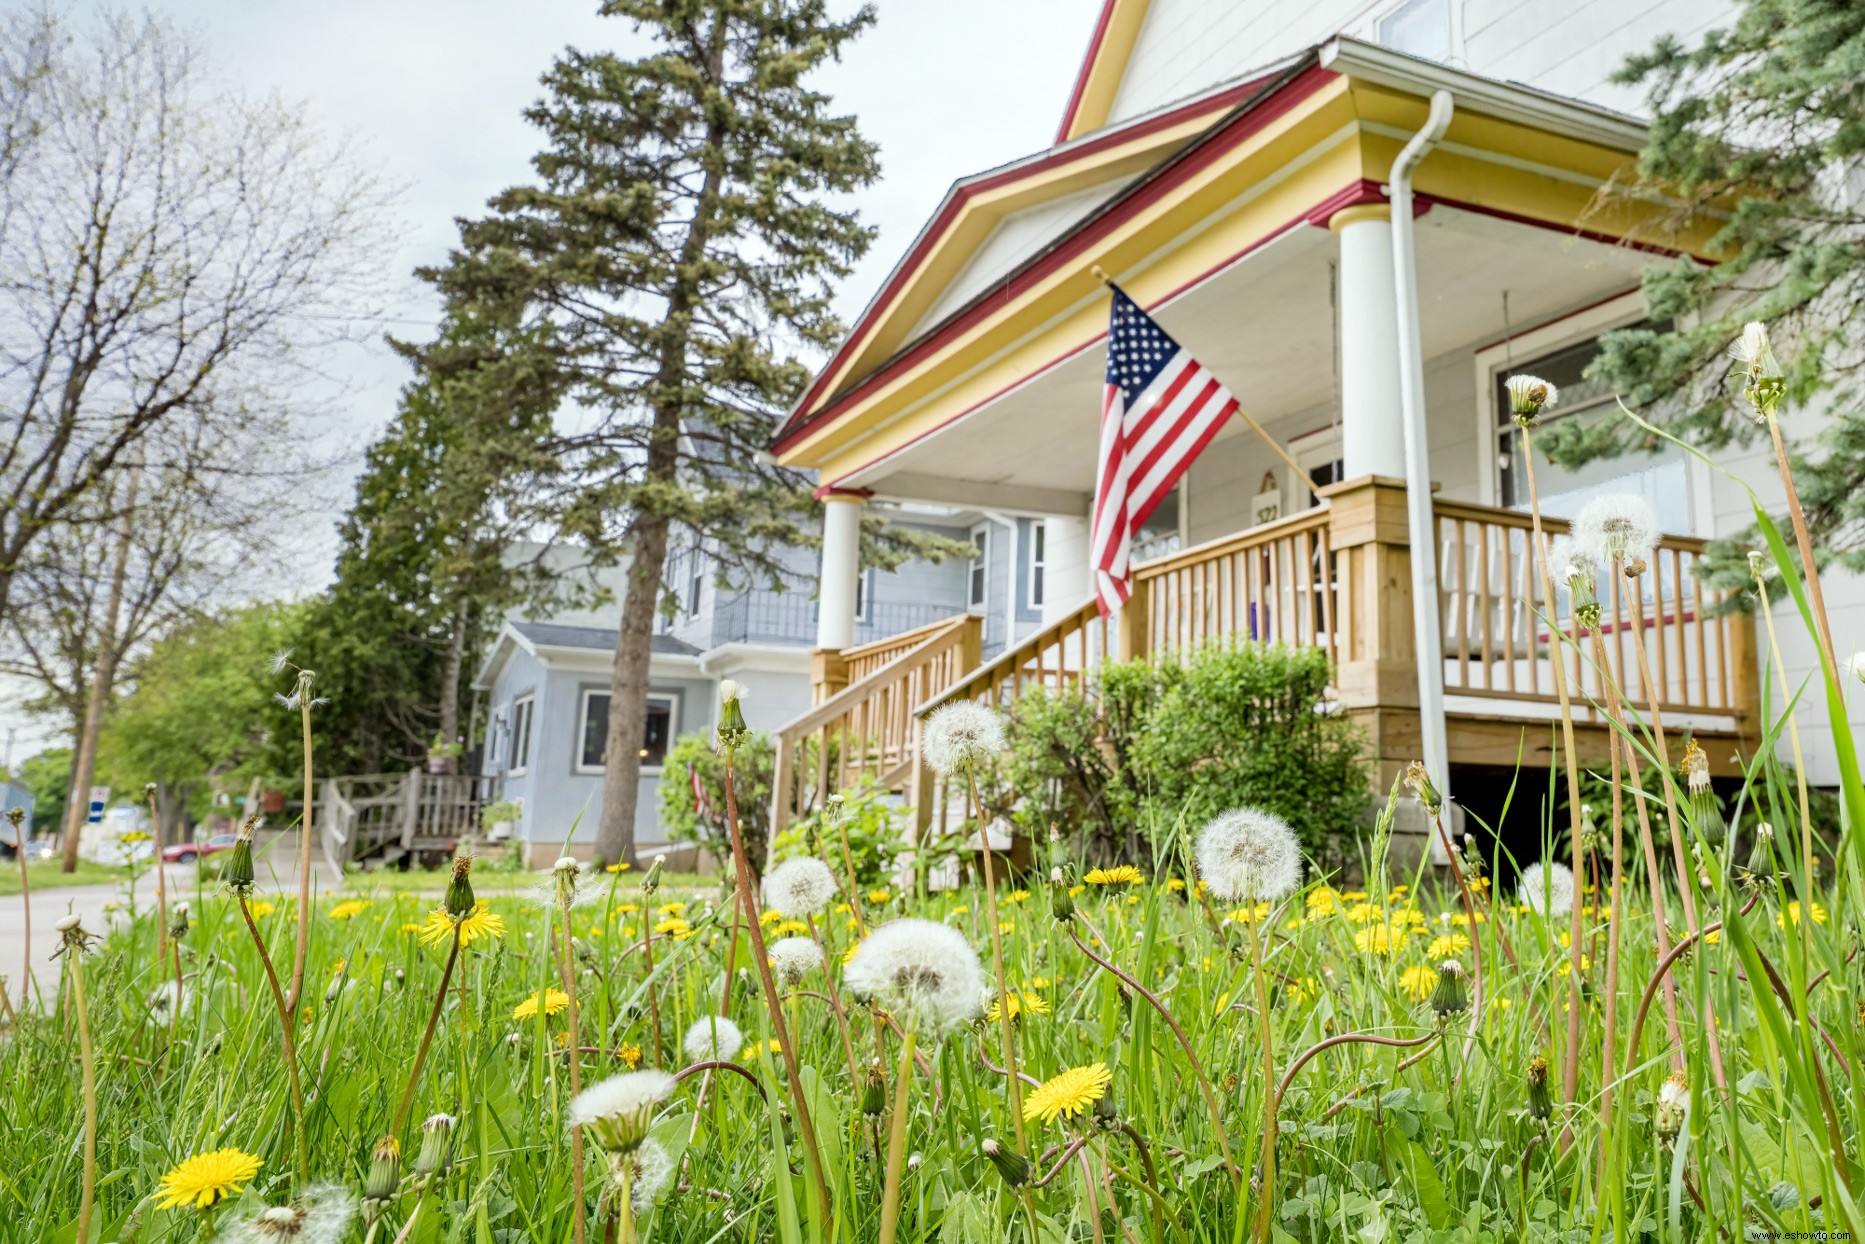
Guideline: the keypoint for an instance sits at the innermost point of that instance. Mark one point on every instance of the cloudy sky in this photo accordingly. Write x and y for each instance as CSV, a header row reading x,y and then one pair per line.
x,y
431,90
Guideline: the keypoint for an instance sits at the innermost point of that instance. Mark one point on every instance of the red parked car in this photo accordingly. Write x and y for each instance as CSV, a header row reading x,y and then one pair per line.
x,y
188,852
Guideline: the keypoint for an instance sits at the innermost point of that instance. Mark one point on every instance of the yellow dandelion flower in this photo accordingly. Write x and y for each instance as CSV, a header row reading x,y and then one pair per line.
x,y
1419,981
1124,874
1249,915
1377,939
768,918
675,908
354,907
1223,1003
1792,914
848,956
1304,990
205,1178
1448,946
750,1052
1004,926
1174,884
261,909
961,910
554,1000
1479,884
1068,1094
409,926
1322,899
336,968
791,928
1019,1003
879,896
1039,982
477,923
630,1056
627,909
1566,966
1364,913
1132,899
1017,896
1075,891
621,866
1353,896
1462,918
674,927
1714,937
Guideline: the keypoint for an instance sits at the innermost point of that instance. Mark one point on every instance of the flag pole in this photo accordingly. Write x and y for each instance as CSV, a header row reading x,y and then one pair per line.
x,y
1301,472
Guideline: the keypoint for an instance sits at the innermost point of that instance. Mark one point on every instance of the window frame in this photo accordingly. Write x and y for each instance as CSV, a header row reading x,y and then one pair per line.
x,y
1036,566
1453,30
978,570
524,717
864,593
583,697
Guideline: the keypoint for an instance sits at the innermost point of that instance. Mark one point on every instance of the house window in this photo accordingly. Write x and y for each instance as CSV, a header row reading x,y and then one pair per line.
x,y
593,731
696,580
1660,476
864,591
1418,28
521,734
977,570
1039,554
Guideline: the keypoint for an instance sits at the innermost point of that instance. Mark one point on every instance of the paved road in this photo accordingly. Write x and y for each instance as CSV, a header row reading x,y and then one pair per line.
x,y
49,906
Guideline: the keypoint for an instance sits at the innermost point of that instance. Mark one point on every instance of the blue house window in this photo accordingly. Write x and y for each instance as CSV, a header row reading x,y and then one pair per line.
x,y
521,734
593,731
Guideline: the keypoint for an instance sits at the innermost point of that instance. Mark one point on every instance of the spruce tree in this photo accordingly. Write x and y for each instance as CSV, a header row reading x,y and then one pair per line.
x,y
667,271
1765,121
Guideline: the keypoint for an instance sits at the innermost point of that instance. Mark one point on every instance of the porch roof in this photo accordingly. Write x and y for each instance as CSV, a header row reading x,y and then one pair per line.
x,y
1224,234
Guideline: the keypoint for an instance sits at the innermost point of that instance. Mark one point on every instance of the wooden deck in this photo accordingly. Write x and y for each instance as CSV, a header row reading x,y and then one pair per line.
x,y
383,818
1337,576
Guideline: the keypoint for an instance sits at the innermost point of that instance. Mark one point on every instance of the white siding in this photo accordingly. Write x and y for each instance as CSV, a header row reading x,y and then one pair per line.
x,y
1569,48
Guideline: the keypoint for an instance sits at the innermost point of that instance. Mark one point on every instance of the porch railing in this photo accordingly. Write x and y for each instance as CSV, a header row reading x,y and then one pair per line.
x,y
368,816
869,727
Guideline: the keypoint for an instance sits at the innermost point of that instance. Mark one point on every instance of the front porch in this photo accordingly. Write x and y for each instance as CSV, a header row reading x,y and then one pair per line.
x,y
1336,576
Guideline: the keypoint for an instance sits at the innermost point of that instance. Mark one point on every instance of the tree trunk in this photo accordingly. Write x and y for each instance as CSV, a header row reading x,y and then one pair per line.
x,y
450,682
78,807
628,693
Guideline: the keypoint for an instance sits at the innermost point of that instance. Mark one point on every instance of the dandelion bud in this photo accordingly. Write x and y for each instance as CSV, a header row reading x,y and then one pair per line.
x,y
1634,567
1762,868
1418,781
237,873
1013,1166
178,920
384,1170
651,879
1673,1106
1758,567
435,1135
1450,997
1540,1098
732,728
1764,383
1061,902
1105,1116
1528,397
914,1161
1705,808
460,900
874,1091
16,817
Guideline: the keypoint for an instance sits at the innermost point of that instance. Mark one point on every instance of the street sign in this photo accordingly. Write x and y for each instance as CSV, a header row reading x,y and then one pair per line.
x,y
100,795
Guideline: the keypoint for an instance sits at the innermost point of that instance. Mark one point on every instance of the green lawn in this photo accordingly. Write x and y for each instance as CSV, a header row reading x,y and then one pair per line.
x,y
46,875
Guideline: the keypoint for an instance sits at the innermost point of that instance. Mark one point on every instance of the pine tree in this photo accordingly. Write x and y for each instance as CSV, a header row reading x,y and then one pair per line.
x,y
673,258
1764,120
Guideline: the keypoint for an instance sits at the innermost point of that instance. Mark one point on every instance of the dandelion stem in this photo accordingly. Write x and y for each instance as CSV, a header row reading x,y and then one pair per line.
x,y
997,957
427,1037
897,1138
302,943
835,1006
1191,1055
1271,1098
161,888
28,985
87,1202
568,969
1802,538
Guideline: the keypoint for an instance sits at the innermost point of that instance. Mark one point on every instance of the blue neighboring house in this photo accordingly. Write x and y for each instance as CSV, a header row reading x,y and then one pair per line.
x,y
545,679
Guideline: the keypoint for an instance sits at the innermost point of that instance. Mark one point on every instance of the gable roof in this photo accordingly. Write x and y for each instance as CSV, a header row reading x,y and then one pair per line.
x,y
1116,30
554,635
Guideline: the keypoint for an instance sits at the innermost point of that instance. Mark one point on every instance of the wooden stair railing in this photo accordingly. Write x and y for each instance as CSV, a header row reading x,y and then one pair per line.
x,y
869,726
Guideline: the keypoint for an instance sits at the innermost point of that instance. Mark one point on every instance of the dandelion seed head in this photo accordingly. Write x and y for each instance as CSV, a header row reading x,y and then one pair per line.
x,y
280,660
926,970
1618,526
321,1216
1547,889
651,1177
793,958
731,689
1248,854
1529,396
800,888
960,734
1569,561
712,1038
620,1108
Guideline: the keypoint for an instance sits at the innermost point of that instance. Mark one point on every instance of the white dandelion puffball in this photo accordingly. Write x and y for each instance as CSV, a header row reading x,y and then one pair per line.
x,y
1568,561
730,689
1547,889
960,734
800,888
793,958
651,1174
321,1216
926,970
1618,526
713,1038
628,1095
1857,665
1249,855
1531,394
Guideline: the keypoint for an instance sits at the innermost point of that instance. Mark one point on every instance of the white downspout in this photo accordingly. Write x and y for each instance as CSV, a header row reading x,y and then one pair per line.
x,y
1420,522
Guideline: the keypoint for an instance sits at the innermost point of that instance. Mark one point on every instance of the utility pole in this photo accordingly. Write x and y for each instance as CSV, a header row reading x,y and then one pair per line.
x,y
77,806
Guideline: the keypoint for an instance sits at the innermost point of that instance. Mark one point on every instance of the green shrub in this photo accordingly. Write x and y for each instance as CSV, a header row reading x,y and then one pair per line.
x,y
1154,743
753,772
871,818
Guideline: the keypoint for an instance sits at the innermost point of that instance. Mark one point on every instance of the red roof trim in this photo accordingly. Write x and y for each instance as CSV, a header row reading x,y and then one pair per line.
x,y
1087,68
1073,245
935,232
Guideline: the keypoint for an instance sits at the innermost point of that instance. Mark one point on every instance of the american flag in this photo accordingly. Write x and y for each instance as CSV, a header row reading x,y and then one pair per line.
x,y
1160,410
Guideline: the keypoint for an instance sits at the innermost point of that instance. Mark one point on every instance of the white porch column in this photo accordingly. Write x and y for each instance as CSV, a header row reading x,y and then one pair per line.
x,y
1066,581
841,567
1372,433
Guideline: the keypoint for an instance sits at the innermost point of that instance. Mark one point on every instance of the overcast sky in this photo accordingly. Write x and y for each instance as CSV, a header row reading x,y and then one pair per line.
x,y
432,91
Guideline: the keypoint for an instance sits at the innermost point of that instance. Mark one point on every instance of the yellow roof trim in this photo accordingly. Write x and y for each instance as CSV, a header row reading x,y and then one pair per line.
x,y
1115,36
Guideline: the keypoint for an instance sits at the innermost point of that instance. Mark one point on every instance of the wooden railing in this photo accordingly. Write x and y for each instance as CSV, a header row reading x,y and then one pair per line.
x,y
869,727
365,816
1498,645
863,659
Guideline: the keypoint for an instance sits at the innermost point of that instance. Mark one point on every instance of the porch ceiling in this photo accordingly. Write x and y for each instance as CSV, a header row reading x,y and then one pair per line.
x,y
1264,326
